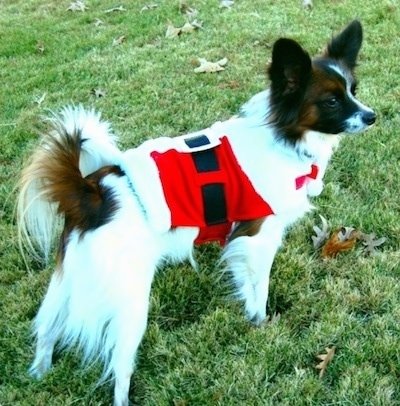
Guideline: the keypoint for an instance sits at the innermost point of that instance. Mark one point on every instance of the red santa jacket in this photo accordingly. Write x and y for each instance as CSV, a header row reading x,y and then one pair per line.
x,y
208,189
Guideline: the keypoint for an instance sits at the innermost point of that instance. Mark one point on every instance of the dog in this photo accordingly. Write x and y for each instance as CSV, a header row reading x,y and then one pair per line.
x,y
240,182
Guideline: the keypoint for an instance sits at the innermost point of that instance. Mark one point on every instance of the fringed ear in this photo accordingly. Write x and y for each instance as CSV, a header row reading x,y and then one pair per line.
x,y
290,67
346,45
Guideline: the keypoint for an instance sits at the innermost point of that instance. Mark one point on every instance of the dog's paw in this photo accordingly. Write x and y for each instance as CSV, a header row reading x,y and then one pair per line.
x,y
38,370
315,187
257,320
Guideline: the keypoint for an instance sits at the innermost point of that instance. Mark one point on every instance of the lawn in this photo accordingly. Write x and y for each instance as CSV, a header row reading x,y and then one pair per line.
x,y
199,349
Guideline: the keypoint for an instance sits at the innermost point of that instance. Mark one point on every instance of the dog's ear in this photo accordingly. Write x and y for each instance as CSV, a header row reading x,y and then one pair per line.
x,y
346,45
290,67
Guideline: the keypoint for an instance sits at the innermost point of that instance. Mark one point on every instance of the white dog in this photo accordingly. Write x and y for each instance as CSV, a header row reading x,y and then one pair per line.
x,y
241,182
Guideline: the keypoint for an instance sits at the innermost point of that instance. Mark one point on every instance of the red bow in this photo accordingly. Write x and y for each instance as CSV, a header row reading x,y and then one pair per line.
x,y
301,180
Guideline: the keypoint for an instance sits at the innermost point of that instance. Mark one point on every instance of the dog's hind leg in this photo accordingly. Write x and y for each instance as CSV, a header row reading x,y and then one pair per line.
x,y
126,328
130,328
49,324
249,259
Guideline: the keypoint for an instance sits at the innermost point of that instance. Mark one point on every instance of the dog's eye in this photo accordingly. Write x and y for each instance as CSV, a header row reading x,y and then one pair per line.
x,y
332,102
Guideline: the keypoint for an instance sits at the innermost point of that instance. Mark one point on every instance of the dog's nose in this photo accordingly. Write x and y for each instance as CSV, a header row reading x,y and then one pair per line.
x,y
369,117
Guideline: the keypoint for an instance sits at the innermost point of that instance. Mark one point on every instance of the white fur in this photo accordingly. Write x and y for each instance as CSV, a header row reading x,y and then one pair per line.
x,y
98,298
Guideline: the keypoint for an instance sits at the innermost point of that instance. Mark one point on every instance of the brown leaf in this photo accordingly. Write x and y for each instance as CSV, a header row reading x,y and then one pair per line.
x,y
370,243
342,239
211,67
232,84
226,4
119,8
119,41
98,92
40,100
307,4
148,7
77,6
97,22
40,46
322,234
172,31
188,11
274,319
325,360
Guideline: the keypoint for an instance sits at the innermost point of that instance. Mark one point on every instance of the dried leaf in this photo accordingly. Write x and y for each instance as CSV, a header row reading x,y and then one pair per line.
x,y
148,7
342,239
40,100
322,234
211,67
188,11
98,92
308,4
226,4
40,47
97,22
172,31
119,8
325,360
77,6
119,40
274,319
263,43
370,243
190,27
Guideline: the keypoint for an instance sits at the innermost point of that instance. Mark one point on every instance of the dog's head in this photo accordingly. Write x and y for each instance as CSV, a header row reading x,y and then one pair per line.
x,y
317,94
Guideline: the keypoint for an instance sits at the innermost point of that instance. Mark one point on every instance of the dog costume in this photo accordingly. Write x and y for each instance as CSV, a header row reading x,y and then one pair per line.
x,y
195,180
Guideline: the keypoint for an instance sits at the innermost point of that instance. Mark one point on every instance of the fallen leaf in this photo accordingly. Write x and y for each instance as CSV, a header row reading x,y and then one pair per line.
x,y
226,4
119,8
370,243
40,100
325,360
322,234
172,31
232,84
97,22
188,11
40,47
274,319
263,43
119,40
148,8
308,4
211,67
342,239
299,371
190,27
98,92
348,233
77,6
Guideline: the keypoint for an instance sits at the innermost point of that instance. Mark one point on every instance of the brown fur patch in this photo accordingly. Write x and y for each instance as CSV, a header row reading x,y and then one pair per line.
x,y
247,228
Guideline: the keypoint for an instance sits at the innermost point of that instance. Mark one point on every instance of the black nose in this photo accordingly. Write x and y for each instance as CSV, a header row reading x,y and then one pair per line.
x,y
369,118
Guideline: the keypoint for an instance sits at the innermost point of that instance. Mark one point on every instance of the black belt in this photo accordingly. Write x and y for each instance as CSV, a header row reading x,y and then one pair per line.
x,y
213,194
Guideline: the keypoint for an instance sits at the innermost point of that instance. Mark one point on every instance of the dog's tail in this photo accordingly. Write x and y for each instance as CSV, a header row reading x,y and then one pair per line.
x,y
53,183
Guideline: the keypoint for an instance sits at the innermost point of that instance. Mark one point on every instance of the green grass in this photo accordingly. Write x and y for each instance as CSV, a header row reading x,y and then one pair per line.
x,y
199,349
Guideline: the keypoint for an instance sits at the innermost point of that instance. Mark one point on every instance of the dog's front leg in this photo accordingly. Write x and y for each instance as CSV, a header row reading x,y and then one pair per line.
x,y
249,259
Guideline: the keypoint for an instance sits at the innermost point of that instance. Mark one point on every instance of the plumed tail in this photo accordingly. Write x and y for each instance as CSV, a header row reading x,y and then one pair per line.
x,y
53,183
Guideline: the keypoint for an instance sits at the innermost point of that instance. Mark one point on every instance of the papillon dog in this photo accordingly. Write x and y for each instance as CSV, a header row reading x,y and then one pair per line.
x,y
123,215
